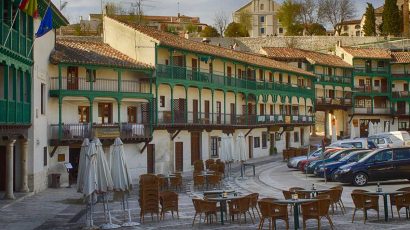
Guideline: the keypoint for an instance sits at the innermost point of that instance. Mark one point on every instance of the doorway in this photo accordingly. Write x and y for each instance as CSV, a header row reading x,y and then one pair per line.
x,y
72,78
302,135
105,113
364,126
179,156
195,147
151,158
195,111
2,168
206,112
250,138
132,114
74,159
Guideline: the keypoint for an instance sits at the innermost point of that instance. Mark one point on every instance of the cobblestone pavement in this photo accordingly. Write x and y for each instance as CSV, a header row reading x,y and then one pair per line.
x,y
63,209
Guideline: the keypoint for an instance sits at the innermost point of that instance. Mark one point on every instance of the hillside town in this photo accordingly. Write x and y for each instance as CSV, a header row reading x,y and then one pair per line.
x,y
280,114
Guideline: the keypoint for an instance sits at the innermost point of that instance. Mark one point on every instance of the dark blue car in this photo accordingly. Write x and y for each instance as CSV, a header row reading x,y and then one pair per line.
x,y
328,159
332,166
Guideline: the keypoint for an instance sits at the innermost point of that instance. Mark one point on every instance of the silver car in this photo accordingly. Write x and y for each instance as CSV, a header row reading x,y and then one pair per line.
x,y
294,161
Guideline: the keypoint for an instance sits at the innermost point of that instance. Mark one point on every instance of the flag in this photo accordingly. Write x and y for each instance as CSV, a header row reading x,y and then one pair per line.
x,y
46,23
30,7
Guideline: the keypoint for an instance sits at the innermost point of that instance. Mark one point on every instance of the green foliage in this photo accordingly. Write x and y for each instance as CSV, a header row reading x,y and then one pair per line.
x,y
191,28
391,18
294,30
172,30
236,30
209,32
288,14
315,29
369,26
245,19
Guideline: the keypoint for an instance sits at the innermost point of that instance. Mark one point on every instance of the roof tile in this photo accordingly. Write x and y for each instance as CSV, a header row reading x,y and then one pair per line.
x,y
400,57
375,53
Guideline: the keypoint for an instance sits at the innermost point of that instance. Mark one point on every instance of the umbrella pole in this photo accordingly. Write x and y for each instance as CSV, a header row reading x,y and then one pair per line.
x,y
91,210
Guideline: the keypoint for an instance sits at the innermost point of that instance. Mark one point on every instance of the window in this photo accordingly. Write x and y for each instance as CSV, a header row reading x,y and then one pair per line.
x,y
270,77
162,101
271,109
261,75
280,78
264,140
45,156
262,19
229,71
376,83
239,73
83,114
301,82
132,114
289,79
43,98
380,64
91,75
256,142
345,28
361,82
296,137
295,110
262,109
402,154
262,30
262,7
402,125
329,71
406,87
300,65
382,156
214,147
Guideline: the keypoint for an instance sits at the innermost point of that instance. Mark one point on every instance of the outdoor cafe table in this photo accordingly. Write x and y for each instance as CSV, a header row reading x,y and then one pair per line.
x,y
222,203
206,174
311,192
295,203
385,195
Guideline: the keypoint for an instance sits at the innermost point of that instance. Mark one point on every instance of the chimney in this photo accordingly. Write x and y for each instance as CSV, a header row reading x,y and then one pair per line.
x,y
406,18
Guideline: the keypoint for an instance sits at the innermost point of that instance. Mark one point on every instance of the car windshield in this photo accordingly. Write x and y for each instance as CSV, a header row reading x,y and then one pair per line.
x,y
378,156
333,155
354,156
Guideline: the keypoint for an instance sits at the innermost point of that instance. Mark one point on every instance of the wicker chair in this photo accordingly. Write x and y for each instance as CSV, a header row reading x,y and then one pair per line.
x,y
221,167
280,212
316,210
199,181
214,167
169,203
209,162
339,187
287,195
149,196
268,199
240,207
364,202
163,182
253,199
198,166
402,201
266,209
393,200
214,180
208,208
176,181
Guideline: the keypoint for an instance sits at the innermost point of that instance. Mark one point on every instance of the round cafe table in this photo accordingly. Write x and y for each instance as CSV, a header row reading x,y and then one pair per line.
x,y
295,203
222,203
385,195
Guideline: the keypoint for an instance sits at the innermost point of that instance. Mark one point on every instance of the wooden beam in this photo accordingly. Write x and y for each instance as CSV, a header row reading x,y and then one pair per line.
x,y
250,130
53,151
145,146
176,134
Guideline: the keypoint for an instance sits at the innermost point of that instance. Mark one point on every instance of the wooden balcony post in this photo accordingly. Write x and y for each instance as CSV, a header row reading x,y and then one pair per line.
x,y
119,111
200,102
91,111
60,128
212,94
156,103
186,103
60,80
119,81
224,106
172,103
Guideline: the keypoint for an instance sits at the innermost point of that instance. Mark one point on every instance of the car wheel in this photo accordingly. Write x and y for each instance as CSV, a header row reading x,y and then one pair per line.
x,y
360,179
298,166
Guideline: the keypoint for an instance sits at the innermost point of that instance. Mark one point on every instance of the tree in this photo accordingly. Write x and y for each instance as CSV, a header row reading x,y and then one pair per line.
x,y
191,28
236,30
245,19
210,32
336,12
221,21
308,13
315,29
369,27
391,18
288,14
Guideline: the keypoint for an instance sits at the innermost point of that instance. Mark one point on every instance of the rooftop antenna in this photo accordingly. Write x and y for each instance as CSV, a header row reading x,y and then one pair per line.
x,y
178,9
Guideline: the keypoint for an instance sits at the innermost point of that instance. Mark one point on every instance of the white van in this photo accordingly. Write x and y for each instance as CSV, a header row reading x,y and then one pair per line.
x,y
361,143
398,138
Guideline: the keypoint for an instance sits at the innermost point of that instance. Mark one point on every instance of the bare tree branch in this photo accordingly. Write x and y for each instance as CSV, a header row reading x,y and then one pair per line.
x,y
336,12
221,20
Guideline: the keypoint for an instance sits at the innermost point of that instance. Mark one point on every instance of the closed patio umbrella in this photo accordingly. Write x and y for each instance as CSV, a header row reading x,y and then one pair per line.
x,y
231,147
104,179
82,164
334,136
89,184
352,131
224,146
119,172
370,129
241,147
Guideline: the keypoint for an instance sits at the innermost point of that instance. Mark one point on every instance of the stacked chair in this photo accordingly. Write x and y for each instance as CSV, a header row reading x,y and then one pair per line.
x,y
149,196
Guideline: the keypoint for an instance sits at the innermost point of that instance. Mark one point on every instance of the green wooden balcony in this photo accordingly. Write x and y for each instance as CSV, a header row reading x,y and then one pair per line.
x,y
16,43
15,112
370,71
338,80
217,79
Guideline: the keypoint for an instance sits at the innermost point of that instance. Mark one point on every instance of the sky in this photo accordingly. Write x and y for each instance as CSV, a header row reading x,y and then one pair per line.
x,y
205,9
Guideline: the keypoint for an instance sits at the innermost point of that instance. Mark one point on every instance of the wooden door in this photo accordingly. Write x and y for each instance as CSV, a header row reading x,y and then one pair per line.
x,y
105,113
233,113
74,159
287,140
206,112
218,112
195,147
179,156
151,158
84,114
72,78
302,141
250,138
2,168
195,116
132,114
384,85
194,64
401,107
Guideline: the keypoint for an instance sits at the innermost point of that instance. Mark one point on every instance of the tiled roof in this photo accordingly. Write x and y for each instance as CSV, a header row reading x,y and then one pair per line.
x,y
401,57
375,53
351,22
91,51
283,53
170,40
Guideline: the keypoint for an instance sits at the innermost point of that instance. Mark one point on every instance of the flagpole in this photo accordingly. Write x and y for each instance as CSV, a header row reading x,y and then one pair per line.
x,y
11,27
35,37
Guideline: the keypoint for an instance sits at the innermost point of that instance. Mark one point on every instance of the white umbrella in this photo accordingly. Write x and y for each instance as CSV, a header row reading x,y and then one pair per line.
x,y
241,147
334,136
380,129
231,147
90,173
82,164
223,147
370,129
119,172
104,179
352,131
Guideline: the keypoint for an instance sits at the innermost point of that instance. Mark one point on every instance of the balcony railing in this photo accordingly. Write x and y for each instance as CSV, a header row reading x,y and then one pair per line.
x,y
183,118
401,94
400,75
376,110
368,70
334,79
15,113
334,101
103,131
218,79
16,42
370,89
100,84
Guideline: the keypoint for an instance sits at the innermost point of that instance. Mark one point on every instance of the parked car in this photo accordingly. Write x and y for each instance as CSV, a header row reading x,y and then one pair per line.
x,y
384,142
304,163
397,138
333,166
328,158
382,164
360,143
294,161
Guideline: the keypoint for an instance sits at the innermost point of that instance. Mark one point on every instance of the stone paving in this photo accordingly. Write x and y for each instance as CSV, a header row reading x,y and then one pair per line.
x,y
62,208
